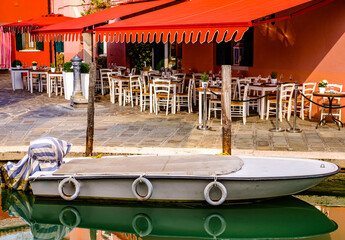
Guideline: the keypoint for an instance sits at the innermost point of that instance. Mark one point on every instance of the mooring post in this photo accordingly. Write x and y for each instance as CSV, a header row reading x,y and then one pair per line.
x,y
91,111
226,108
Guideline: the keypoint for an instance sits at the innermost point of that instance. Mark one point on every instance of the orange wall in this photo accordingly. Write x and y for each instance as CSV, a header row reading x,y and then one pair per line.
x,y
310,47
199,57
14,10
42,57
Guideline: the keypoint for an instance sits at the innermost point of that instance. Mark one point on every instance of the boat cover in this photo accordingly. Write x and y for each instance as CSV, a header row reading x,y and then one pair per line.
x,y
44,154
177,165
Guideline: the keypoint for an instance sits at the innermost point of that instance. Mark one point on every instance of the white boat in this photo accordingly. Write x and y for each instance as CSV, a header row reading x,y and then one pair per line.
x,y
214,178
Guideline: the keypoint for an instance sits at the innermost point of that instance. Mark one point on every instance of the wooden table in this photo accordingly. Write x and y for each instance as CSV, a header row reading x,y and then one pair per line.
x,y
201,92
330,97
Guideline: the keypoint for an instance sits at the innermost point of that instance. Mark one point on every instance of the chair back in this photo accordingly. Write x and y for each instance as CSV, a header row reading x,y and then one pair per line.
x,y
335,87
234,87
286,91
308,89
104,73
241,83
161,86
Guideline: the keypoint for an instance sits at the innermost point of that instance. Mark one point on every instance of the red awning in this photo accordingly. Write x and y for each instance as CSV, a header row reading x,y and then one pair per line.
x,y
72,30
196,21
34,23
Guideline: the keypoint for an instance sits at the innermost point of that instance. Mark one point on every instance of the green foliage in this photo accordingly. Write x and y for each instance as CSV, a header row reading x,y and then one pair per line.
x,y
67,67
101,61
16,62
274,75
138,53
52,65
204,77
84,68
95,6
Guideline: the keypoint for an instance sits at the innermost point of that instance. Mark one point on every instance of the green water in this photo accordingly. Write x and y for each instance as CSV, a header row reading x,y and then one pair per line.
x,y
281,218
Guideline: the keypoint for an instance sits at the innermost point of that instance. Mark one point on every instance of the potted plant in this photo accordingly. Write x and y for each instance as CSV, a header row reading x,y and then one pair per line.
x,y
274,77
204,80
34,65
16,63
322,85
52,67
68,80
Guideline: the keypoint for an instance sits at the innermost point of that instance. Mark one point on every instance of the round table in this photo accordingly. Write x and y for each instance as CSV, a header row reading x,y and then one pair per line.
x,y
330,97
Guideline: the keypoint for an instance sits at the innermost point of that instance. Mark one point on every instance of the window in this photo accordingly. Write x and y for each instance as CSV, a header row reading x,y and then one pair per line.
x,y
236,53
24,42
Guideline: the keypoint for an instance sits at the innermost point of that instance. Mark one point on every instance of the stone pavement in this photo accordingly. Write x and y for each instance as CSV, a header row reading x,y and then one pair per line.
x,y
126,130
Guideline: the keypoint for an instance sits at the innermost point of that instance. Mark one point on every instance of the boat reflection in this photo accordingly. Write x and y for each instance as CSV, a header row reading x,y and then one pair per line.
x,y
283,218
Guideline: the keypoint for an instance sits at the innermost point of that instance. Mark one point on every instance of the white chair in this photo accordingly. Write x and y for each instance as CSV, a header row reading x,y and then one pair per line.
x,y
56,83
336,102
185,99
303,105
285,100
104,78
239,109
133,92
162,95
144,94
182,78
113,86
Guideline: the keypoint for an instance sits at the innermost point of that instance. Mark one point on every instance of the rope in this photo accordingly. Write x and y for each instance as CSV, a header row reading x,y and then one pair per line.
x,y
320,105
250,100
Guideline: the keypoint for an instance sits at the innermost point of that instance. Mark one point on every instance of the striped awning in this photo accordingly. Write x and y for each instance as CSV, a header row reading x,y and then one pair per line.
x,y
200,21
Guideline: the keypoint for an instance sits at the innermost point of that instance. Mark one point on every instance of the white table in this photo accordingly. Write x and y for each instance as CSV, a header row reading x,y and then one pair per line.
x,y
17,77
201,100
40,73
174,86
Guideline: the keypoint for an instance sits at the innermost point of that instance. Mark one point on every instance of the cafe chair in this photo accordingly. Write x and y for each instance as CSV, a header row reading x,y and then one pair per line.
x,y
113,86
133,92
239,109
144,94
162,95
104,79
285,102
336,102
186,99
303,105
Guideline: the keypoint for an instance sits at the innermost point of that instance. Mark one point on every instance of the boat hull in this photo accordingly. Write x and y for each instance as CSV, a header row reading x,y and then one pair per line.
x,y
239,185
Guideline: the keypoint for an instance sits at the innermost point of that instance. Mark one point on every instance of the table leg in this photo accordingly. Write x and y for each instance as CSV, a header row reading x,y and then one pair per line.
x,y
263,105
200,107
13,80
151,99
174,101
330,114
120,94
31,87
49,85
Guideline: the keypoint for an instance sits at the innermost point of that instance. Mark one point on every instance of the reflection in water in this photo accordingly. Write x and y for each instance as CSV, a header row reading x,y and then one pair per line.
x,y
279,218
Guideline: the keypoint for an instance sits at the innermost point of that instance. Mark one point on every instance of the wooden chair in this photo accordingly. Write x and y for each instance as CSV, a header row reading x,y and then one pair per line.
x,y
133,92
144,94
239,109
185,99
336,102
104,79
303,105
285,102
162,95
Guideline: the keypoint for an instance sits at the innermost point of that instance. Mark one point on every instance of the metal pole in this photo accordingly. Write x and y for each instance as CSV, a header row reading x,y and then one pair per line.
x,y
294,129
204,110
277,128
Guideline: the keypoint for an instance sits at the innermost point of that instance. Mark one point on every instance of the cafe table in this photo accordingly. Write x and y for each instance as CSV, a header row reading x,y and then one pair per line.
x,y
17,77
208,91
330,96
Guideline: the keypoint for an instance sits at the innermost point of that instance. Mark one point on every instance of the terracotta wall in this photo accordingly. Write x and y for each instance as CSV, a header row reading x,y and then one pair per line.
x,y
310,47
198,57
14,10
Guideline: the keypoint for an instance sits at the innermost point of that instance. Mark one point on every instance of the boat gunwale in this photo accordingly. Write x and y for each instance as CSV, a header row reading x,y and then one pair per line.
x,y
169,177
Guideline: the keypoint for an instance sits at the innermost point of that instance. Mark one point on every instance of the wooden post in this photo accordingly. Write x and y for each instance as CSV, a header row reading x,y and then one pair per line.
x,y
91,111
226,103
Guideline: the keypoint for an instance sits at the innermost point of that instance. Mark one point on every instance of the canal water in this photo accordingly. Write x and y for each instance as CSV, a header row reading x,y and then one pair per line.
x,y
24,217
